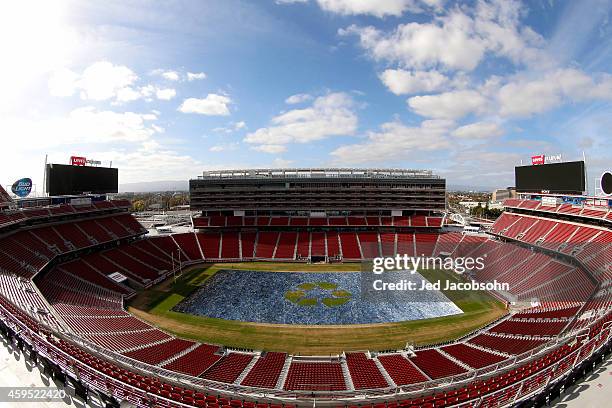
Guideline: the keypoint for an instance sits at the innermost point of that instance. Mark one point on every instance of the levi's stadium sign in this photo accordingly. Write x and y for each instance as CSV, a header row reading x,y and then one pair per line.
x,y
78,161
539,159
22,187
82,161
543,159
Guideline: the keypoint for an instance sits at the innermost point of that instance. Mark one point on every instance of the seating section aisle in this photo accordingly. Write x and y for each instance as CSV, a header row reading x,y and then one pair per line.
x,y
505,344
286,245
228,368
472,356
189,245
196,361
401,370
160,352
266,243
209,243
435,365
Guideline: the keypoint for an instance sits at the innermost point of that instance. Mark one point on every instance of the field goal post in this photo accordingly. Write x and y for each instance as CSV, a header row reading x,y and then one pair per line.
x,y
180,265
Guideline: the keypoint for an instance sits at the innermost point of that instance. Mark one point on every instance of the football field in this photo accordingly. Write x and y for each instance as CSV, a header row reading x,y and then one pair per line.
x,y
155,306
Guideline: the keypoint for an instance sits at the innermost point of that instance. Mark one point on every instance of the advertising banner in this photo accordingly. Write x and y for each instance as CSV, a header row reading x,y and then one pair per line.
x,y
539,159
78,161
22,187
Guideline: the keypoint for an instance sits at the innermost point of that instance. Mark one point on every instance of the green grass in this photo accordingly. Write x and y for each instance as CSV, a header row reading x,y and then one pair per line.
x,y
308,302
294,295
467,301
342,293
307,286
155,305
327,285
334,302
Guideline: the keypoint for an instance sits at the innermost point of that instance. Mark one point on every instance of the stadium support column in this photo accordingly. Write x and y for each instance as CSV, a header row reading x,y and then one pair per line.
x,y
586,174
45,177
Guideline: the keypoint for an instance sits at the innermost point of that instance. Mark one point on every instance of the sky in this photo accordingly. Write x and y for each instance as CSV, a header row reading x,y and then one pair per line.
x,y
166,90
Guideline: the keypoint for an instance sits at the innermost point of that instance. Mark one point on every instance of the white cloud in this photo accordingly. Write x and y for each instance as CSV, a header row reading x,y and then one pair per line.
x,y
329,115
212,105
298,98
165,94
35,41
157,128
402,82
91,125
100,81
86,125
103,81
526,96
488,169
170,75
192,76
128,94
457,40
478,130
396,141
150,145
448,105
224,147
231,127
154,163
281,163
521,95
175,76
378,8
270,148
126,138
148,91
63,82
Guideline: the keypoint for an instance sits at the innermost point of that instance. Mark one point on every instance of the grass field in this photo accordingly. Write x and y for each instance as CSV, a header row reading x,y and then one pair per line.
x,y
155,304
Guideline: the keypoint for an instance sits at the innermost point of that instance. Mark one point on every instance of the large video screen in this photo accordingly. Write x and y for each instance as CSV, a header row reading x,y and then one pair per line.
x,y
63,179
567,178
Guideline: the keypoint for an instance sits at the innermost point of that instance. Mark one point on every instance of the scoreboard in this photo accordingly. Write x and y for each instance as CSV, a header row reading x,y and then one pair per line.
x,y
560,178
64,179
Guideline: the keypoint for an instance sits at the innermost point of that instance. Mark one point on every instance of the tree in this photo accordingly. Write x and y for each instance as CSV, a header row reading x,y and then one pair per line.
x,y
138,205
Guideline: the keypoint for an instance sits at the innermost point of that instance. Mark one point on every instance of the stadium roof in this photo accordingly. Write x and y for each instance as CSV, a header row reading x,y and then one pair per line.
x,y
317,173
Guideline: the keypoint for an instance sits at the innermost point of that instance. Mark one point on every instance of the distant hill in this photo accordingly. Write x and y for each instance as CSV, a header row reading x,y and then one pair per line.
x,y
465,187
151,186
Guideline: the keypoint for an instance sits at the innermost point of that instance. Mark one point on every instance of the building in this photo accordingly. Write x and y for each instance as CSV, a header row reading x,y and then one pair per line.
x,y
322,191
472,204
501,194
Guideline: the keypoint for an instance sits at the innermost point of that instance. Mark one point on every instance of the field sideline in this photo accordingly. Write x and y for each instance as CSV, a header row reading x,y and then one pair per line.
x,y
155,304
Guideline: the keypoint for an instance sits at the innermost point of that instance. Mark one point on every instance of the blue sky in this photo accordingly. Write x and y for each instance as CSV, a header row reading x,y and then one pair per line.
x,y
166,90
